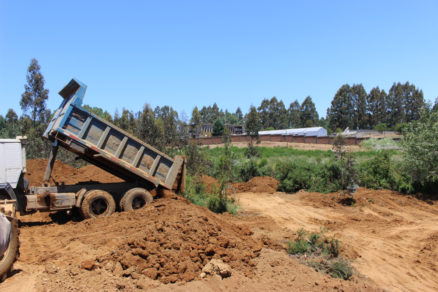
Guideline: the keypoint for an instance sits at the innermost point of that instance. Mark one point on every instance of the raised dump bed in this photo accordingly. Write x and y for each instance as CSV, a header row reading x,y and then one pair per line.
x,y
109,147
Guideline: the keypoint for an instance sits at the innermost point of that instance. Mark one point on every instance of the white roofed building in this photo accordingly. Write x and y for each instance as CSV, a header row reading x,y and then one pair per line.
x,y
312,131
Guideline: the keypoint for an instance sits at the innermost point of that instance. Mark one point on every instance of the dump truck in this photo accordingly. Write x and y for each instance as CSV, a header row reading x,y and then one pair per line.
x,y
144,169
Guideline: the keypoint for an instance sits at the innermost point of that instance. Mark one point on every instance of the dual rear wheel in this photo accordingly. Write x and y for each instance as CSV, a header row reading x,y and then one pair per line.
x,y
99,203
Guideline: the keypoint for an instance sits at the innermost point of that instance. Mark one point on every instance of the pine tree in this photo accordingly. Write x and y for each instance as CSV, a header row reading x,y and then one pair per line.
x,y
239,115
148,130
341,112
33,101
12,123
35,95
360,107
413,102
394,105
195,122
263,113
218,128
309,115
295,115
376,107
252,122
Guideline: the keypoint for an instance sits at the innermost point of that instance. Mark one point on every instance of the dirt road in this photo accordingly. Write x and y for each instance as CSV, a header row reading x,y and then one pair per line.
x,y
390,238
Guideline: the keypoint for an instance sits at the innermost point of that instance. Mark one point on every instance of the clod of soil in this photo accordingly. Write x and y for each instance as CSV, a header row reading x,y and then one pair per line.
x,y
260,184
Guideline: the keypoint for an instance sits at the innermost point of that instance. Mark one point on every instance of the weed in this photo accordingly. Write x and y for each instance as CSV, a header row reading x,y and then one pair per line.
x,y
340,269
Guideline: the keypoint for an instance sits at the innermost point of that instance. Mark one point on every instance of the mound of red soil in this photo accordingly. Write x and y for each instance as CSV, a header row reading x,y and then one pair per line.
x,y
211,184
180,240
260,184
64,173
170,240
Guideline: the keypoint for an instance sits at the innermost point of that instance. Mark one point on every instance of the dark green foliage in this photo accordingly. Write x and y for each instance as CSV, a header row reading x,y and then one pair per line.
x,y
295,115
149,130
126,121
35,114
272,113
218,128
295,175
309,115
100,112
313,243
341,112
196,159
34,98
217,201
381,173
376,108
252,123
195,123
404,103
360,102
341,269
420,144
380,127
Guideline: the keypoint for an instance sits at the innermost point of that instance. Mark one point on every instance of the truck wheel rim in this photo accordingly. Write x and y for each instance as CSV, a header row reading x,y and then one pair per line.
x,y
99,206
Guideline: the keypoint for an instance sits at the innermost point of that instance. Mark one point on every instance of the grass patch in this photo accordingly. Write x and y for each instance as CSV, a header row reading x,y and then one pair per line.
x,y
321,253
196,193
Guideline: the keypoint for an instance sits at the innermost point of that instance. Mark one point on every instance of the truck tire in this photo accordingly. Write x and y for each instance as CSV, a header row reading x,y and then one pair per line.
x,y
97,203
12,253
135,199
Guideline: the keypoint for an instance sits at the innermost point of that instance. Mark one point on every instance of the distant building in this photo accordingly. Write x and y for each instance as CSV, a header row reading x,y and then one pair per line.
x,y
312,131
206,130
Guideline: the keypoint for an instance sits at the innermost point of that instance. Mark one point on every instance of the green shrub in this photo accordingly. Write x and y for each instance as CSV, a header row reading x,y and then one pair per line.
x,y
298,247
381,172
217,204
341,269
300,174
248,170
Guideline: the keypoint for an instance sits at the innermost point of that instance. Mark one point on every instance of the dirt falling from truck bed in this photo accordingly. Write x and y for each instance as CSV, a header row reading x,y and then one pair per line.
x,y
64,173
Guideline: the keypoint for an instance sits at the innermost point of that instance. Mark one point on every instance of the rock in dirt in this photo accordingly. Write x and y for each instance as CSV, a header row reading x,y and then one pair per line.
x,y
88,265
216,267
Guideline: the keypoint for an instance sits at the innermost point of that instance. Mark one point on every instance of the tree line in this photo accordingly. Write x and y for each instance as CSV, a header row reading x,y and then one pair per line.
x,y
162,126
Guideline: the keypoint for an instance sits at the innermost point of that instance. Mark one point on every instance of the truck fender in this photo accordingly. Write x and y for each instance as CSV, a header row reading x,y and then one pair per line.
x,y
80,196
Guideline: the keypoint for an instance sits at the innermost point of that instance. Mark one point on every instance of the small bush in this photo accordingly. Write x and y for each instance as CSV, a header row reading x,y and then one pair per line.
x,y
334,248
298,247
340,269
314,243
217,203
381,172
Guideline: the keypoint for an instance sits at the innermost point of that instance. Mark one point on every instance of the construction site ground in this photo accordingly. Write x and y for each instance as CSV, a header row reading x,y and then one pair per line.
x,y
390,239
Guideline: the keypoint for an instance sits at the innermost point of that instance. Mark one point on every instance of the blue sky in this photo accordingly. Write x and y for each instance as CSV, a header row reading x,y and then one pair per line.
x,y
234,53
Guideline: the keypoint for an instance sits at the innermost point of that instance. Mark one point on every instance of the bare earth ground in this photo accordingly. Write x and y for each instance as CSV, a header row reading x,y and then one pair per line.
x,y
302,146
390,238
392,241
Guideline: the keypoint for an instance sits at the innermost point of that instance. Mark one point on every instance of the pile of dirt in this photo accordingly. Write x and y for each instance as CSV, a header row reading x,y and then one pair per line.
x,y
211,184
170,240
64,173
260,184
180,240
